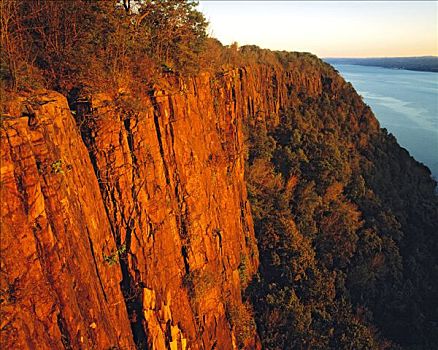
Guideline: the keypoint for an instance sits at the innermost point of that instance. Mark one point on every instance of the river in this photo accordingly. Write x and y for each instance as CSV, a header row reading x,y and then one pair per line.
x,y
405,103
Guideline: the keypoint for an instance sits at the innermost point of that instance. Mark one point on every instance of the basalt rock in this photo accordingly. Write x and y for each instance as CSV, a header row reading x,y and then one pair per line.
x,y
127,223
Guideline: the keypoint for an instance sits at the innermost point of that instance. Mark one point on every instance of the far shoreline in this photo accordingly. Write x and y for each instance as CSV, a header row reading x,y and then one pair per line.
x,y
417,64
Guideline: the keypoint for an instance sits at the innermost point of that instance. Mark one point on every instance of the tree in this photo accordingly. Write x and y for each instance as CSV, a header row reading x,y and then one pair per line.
x,y
80,42
176,30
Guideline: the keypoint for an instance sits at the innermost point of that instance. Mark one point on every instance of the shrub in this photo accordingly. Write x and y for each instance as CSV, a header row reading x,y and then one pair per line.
x,y
113,258
198,284
241,319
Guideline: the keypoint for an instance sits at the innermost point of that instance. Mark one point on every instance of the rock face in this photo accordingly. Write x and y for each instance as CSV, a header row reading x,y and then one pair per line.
x,y
132,227
172,182
56,290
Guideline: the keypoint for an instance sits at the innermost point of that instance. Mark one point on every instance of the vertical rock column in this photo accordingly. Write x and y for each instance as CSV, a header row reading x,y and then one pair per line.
x,y
57,289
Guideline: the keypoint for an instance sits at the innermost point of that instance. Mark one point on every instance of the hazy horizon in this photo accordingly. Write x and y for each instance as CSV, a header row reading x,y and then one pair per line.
x,y
420,56
329,29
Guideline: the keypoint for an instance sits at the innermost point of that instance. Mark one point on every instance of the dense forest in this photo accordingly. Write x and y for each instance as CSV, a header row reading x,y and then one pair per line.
x,y
345,219
346,226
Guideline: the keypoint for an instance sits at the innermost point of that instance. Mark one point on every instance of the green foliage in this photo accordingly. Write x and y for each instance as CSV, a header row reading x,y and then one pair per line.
x,y
66,44
241,319
115,255
243,271
263,144
176,32
198,284
344,220
56,167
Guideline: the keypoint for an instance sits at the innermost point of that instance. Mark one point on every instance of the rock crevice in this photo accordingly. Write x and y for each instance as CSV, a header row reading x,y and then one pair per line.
x,y
135,230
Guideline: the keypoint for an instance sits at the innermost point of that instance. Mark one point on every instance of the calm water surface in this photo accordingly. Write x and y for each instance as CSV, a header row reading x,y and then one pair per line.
x,y
405,103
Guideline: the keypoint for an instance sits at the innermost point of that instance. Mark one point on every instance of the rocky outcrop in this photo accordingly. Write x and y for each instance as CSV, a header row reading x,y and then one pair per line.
x,y
172,182
133,226
56,289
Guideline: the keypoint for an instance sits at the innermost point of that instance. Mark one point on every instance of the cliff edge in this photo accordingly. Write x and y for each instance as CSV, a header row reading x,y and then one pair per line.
x,y
126,221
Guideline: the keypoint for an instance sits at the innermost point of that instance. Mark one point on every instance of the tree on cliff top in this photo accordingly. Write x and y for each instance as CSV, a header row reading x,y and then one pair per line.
x,y
58,44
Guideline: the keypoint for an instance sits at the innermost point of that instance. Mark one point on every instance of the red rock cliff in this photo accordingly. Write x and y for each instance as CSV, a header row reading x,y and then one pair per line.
x,y
56,290
147,238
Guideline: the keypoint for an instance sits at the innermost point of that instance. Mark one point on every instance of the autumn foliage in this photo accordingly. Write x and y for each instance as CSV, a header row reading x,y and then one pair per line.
x,y
346,221
347,239
63,44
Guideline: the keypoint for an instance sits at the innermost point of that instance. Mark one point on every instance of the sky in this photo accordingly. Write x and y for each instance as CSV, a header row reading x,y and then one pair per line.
x,y
328,28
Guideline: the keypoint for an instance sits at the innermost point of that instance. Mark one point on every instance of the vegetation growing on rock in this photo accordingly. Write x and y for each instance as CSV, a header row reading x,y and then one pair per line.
x,y
154,185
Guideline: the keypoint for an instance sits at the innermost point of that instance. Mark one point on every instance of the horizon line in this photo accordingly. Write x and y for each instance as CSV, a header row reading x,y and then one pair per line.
x,y
359,57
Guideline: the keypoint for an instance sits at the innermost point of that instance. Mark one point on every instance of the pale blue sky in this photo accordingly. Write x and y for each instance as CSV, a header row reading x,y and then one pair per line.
x,y
328,29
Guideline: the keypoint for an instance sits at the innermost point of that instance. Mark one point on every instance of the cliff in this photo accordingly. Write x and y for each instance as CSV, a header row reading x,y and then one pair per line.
x,y
56,289
125,219
134,218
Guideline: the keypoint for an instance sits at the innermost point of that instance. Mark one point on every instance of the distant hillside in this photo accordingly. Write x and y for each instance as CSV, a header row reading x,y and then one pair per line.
x,y
425,63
